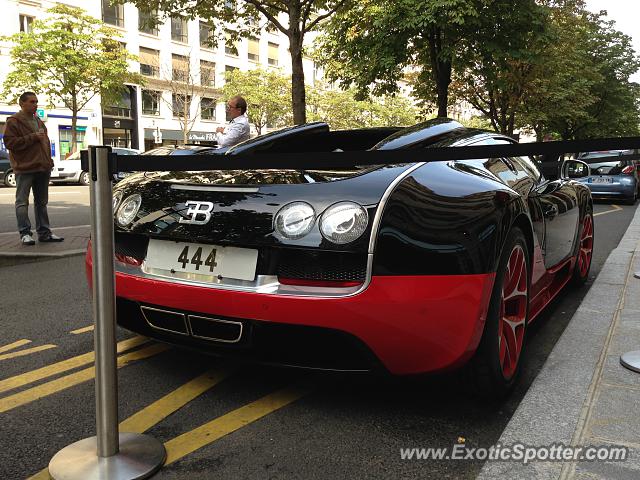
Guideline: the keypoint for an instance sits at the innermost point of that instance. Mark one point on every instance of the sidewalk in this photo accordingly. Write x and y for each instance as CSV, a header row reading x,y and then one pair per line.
x,y
583,396
75,243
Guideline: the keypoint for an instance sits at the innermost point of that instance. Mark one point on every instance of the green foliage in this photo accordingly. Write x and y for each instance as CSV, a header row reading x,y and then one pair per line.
x,y
370,45
70,57
342,110
236,19
268,96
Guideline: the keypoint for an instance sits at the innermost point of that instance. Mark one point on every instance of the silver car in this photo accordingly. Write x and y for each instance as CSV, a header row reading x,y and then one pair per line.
x,y
611,177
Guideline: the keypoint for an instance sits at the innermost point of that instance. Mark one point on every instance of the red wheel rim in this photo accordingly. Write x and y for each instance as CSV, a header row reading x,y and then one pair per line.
x,y
586,246
513,312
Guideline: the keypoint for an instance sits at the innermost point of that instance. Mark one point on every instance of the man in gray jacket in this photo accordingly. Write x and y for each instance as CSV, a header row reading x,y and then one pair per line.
x,y
238,128
25,136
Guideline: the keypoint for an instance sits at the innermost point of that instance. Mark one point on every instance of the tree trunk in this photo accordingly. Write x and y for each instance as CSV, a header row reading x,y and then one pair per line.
x,y
440,69
297,79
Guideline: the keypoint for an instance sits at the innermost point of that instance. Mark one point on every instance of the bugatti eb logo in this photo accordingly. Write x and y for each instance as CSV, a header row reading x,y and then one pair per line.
x,y
198,213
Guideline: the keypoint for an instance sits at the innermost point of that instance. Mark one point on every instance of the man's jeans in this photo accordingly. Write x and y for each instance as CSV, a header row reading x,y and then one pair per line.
x,y
39,182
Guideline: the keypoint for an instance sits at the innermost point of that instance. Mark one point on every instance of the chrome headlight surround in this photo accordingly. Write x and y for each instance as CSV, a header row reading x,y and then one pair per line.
x,y
343,222
294,220
115,202
128,209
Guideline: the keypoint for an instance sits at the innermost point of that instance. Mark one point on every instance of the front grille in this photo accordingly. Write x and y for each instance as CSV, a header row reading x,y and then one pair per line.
x,y
322,265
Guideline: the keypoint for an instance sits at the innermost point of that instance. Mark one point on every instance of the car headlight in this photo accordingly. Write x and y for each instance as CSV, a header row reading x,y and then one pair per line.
x,y
116,201
295,220
128,210
343,222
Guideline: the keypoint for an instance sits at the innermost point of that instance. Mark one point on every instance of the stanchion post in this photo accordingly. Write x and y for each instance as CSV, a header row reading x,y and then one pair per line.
x,y
631,360
126,456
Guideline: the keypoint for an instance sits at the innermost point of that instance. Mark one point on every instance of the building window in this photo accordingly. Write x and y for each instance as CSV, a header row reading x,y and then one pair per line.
x,y
208,108
179,68
230,47
180,105
113,15
179,29
145,19
121,108
151,102
207,73
206,33
25,23
149,62
254,50
273,54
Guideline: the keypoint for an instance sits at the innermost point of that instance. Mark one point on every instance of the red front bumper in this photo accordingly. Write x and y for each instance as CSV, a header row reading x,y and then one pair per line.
x,y
413,324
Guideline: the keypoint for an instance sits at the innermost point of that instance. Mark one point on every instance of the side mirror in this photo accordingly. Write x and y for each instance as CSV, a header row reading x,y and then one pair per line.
x,y
574,169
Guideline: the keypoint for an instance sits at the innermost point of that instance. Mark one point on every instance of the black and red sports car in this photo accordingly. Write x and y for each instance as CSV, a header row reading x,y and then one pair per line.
x,y
407,268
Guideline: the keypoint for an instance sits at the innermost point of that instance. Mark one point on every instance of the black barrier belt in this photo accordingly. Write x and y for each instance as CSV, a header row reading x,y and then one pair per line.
x,y
336,160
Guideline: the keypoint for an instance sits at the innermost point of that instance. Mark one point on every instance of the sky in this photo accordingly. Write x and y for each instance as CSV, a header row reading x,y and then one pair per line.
x,y
626,14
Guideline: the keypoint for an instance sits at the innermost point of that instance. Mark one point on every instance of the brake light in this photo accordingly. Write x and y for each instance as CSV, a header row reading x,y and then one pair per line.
x,y
628,170
302,282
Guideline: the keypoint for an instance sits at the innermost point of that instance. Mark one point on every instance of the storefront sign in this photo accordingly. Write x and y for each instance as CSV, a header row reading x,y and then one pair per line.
x,y
42,114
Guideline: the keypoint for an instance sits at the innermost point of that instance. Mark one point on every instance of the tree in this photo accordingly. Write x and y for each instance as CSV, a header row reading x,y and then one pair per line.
x,y
342,110
501,58
241,18
70,57
188,86
371,45
268,96
610,61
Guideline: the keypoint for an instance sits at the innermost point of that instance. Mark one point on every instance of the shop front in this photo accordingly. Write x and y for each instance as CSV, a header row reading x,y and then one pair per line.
x,y
154,137
119,132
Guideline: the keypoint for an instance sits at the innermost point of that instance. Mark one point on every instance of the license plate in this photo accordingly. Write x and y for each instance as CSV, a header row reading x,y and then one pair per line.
x,y
205,261
601,180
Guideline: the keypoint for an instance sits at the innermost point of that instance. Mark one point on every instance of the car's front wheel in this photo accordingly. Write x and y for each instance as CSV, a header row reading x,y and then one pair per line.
x,y
84,178
10,178
496,365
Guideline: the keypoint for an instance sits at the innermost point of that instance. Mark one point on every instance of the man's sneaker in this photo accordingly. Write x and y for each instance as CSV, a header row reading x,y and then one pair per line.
x,y
27,240
50,238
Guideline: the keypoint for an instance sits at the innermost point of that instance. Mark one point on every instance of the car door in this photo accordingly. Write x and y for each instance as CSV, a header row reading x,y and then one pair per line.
x,y
559,208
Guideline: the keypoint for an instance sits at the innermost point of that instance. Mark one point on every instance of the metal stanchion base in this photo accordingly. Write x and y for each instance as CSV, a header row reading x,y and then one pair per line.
x,y
140,456
631,360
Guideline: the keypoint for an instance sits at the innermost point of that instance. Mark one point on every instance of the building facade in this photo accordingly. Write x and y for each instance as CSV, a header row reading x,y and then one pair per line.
x,y
181,69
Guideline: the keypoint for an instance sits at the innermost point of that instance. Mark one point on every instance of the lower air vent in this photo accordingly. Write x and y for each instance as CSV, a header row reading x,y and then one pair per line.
x,y
165,320
215,329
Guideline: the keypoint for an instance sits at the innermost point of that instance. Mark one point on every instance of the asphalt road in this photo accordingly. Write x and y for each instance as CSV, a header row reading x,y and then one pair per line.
x,y
256,423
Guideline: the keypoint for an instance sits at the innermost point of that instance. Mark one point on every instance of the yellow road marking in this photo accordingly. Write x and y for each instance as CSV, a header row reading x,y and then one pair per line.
x,y
616,208
162,408
210,432
62,383
82,330
13,345
170,403
28,351
53,369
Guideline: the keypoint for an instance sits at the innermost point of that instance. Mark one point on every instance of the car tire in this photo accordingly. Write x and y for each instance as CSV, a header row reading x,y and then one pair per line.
x,y
585,251
84,178
10,178
496,364
632,200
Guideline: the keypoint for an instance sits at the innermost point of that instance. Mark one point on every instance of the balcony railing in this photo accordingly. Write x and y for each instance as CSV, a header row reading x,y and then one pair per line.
x,y
149,70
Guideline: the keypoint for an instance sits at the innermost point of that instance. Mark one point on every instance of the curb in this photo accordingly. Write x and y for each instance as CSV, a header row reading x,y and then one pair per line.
x,y
558,405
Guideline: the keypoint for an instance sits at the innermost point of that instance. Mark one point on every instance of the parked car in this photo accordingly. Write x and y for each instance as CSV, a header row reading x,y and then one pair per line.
x,y
612,177
405,268
6,173
69,170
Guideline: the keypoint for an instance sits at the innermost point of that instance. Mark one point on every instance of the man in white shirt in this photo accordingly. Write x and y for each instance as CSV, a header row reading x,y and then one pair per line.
x,y
238,128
